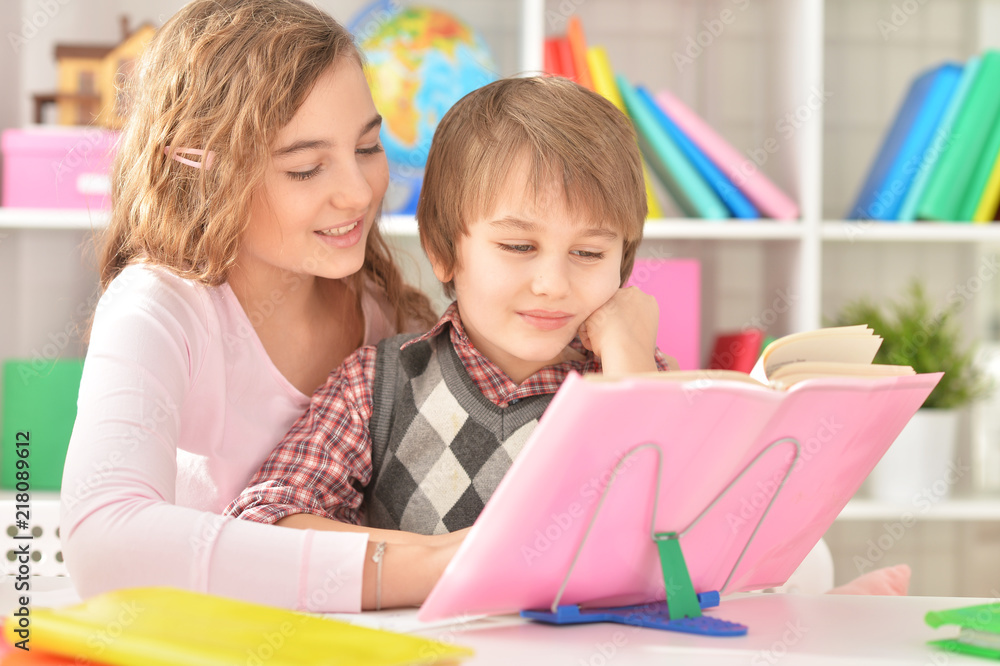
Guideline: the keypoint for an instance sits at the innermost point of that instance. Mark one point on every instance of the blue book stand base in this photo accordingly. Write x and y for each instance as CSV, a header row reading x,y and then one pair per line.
x,y
651,616
681,611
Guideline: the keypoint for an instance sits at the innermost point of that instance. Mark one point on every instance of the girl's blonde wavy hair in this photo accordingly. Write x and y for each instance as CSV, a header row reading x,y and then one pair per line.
x,y
223,76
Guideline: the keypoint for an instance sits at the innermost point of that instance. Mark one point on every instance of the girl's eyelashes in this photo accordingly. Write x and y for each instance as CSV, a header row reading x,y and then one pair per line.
x,y
306,175
371,150
588,254
303,175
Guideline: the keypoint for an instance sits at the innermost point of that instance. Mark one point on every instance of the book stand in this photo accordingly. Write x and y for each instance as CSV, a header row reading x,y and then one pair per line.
x,y
681,611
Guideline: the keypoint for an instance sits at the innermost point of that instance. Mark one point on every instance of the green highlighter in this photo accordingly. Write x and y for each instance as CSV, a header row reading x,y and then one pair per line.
x,y
980,629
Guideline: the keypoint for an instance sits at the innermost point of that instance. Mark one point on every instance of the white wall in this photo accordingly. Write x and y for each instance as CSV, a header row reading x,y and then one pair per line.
x,y
97,22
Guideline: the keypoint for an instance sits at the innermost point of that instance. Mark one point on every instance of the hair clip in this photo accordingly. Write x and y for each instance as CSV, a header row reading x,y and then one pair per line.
x,y
206,161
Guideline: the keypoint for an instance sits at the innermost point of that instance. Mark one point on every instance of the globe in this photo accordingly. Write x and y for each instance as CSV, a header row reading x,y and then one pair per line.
x,y
420,61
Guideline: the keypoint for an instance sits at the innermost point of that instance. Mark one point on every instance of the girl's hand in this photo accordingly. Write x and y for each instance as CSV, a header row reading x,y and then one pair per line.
x,y
622,332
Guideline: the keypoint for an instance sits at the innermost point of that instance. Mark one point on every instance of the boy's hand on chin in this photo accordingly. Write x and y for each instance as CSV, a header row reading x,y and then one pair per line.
x,y
622,332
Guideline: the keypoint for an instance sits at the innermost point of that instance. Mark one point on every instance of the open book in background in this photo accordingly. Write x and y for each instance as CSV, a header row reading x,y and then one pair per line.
x,y
749,477
839,351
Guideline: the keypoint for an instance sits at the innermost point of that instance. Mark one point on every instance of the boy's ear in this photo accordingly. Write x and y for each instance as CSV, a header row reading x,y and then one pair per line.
x,y
441,272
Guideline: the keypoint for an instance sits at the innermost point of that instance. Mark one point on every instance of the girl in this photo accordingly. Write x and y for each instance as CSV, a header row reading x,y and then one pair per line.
x,y
241,265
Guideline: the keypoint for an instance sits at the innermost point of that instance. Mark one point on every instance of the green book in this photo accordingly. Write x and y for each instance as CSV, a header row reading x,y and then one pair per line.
x,y
687,187
984,167
38,412
980,629
949,187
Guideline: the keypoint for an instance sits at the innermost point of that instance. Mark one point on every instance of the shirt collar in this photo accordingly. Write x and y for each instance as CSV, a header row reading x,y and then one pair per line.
x,y
496,385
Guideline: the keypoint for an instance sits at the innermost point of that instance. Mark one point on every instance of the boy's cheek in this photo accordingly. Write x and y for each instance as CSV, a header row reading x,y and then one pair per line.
x,y
608,288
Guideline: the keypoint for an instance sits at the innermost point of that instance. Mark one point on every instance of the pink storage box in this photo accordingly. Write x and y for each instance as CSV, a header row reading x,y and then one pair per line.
x,y
57,167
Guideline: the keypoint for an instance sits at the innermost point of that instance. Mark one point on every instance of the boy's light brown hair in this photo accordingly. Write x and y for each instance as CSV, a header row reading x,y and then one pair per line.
x,y
565,131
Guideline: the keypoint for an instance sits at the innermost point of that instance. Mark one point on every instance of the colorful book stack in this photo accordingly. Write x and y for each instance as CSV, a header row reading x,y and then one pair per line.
x,y
940,159
704,175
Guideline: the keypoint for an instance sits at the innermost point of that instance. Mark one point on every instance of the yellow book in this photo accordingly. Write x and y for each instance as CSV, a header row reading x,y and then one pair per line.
x,y
990,198
162,626
604,83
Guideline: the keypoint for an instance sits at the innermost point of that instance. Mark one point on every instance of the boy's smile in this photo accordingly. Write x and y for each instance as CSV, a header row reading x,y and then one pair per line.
x,y
528,275
547,320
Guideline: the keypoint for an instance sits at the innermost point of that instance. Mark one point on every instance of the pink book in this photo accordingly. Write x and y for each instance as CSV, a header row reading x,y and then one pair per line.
x,y
741,169
676,285
613,461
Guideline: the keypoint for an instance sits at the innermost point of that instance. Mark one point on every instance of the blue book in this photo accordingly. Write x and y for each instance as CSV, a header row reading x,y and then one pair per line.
x,y
942,137
735,201
904,151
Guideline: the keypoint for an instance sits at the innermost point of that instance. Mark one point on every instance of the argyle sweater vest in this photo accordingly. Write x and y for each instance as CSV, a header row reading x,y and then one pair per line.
x,y
439,446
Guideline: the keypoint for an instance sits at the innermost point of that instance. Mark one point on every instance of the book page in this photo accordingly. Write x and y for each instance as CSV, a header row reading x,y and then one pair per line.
x,y
680,376
842,344
792,373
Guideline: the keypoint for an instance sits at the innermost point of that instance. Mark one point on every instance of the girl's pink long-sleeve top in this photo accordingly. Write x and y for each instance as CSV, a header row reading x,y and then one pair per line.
x,y
179,405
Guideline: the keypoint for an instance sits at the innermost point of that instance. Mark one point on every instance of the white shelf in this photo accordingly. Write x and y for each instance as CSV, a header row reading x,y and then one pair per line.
x,y
399,226
966,509
52,218
864,231
405,226
722,229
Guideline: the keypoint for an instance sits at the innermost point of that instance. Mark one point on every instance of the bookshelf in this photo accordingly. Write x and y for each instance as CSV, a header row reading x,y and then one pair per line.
x,y
830,69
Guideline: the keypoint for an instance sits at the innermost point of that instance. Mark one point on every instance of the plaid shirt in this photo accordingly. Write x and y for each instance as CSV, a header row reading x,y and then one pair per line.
x,y
324,462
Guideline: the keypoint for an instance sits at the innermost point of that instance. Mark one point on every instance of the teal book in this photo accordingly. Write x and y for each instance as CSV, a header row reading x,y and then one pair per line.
x,y
735,200
979,629
908,211
948,189
688,188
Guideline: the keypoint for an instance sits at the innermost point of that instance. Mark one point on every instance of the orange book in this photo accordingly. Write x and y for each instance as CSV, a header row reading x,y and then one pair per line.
x,y
567,67
578,48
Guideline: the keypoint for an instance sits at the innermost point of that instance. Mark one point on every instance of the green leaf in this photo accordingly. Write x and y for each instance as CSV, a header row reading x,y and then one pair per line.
x,y
915,333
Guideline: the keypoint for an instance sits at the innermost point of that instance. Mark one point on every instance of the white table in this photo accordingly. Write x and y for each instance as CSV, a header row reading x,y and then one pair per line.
x,y
785,629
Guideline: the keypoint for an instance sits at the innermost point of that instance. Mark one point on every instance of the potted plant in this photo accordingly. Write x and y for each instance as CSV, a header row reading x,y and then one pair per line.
x,y
916,333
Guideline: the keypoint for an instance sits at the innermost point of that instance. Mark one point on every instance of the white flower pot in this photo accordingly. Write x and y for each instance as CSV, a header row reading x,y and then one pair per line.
x,y
920,463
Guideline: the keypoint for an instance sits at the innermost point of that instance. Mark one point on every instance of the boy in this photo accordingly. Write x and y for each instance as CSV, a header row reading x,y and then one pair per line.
x,y
531,212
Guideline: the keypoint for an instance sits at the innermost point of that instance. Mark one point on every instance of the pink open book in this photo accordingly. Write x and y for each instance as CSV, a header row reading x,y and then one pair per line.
x,y
699,453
